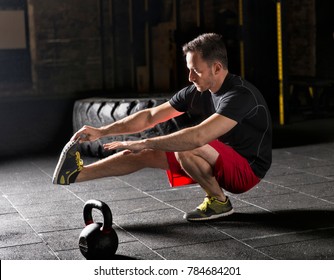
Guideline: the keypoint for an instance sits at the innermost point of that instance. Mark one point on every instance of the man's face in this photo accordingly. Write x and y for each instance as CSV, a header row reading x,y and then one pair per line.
x,y
200,73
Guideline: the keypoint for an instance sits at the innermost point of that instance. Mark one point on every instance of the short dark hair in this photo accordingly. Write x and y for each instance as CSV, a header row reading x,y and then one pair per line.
x,y
211,47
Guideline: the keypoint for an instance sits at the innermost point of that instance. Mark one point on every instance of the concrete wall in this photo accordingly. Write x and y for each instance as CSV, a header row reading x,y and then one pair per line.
x,y
301,37
32,126
65,46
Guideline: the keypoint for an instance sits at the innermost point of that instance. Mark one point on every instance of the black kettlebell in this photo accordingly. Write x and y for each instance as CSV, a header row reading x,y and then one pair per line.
x,y
98,241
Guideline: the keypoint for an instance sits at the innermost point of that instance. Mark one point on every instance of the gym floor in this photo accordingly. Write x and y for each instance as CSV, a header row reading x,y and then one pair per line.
x,y
289,215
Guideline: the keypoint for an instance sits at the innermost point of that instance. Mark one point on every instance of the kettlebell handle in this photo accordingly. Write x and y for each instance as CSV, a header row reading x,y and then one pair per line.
x,y
104,208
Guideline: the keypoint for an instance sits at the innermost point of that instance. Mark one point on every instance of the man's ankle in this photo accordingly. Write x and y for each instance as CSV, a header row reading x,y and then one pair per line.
x,y
222,198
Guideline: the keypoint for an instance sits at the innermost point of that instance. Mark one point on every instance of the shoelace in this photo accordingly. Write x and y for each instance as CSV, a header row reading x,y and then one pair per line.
x,y
207,201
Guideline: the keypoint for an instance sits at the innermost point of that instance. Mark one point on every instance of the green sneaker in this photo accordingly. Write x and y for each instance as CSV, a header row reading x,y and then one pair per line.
x,y
69,165
210,209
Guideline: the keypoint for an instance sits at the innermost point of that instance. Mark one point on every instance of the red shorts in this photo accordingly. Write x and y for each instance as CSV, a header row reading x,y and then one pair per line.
x,y
232,171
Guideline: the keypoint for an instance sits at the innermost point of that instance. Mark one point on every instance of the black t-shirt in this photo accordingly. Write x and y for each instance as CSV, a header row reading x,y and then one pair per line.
x,y
239,100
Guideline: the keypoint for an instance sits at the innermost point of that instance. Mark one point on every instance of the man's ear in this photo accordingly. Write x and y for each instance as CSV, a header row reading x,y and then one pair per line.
x,y
217,67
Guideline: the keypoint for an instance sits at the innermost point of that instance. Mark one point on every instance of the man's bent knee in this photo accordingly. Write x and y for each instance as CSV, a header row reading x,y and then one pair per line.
x,y
206,152
183,156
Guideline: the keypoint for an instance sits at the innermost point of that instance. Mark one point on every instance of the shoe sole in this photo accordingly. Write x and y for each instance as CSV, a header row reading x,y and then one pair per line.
x,y
213,217
61,160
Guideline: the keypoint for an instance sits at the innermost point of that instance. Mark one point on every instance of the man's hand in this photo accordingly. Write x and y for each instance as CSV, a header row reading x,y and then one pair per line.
x,y
87,133
134,146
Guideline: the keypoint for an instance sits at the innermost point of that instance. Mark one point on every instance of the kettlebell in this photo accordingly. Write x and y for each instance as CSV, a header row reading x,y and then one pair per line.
x,y
98,241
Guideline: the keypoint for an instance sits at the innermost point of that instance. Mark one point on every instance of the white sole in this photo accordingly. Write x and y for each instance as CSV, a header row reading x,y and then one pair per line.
x,y
61,160
211,217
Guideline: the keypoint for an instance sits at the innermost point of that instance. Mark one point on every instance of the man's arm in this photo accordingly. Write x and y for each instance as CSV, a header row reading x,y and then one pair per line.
x,y
134,123
183,140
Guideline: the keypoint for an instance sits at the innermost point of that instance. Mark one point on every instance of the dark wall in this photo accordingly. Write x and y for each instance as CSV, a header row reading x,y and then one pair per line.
x,y
260,38
32,126
325,39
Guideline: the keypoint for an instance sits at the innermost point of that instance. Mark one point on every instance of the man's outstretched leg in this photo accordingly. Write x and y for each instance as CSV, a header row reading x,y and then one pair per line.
x,y
123,163
70,167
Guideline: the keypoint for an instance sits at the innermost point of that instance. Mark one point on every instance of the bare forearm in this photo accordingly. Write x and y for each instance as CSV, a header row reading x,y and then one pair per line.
x,y
131,124
183,140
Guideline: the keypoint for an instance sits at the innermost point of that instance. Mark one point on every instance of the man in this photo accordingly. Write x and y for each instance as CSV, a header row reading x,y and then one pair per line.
x,y
230,148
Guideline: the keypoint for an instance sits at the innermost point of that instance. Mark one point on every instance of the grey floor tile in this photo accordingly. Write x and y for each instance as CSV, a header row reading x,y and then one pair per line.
x,y
27,252
62,240
289,237
175,235
307,218
112,194
186,205
46,196
179,193
264,188
46,164
250,222
322,152
40,185
51,208
279,170
289,202
318,249
325,171
135,205
330,198
123,235
15,166
321,190
298,179
10,239
7,210
144,220
5,206
73,254
136,250
16,231
147,179
97,185
229,249
294,161
43,224
18,177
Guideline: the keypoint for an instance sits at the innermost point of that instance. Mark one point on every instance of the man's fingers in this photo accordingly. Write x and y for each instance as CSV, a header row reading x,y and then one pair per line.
x,y
84,134
134,146
113,145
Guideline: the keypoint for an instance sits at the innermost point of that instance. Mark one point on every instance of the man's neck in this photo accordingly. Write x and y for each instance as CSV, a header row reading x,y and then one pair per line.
x,y
219,82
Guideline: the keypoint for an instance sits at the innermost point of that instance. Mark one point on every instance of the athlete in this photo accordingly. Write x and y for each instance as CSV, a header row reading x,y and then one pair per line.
x,y
229,149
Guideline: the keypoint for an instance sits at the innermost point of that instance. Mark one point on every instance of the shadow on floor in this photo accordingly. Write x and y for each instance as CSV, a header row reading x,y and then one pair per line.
x,y
291,220
305,132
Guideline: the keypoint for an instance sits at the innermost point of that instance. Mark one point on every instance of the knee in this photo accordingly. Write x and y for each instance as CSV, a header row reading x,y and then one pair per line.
x,y
183,157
